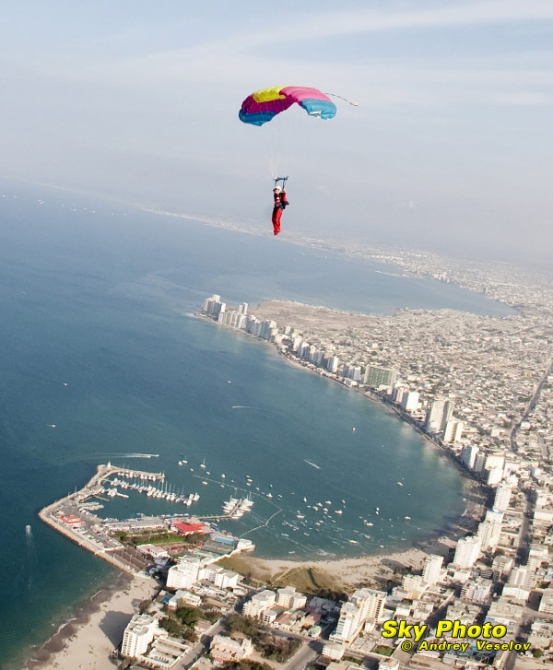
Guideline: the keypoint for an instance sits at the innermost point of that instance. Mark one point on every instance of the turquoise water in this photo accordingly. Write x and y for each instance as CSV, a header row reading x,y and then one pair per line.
x,y
100,358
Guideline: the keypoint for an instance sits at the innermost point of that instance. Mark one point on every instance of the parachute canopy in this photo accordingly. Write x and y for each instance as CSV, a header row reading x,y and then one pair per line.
x,y
260,107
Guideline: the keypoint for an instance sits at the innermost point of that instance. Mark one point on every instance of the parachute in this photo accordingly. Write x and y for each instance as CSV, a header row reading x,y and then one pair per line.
x,y
262,106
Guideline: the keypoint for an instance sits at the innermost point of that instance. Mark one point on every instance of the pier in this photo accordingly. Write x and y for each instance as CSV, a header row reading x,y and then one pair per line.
x,y
79,525
73,517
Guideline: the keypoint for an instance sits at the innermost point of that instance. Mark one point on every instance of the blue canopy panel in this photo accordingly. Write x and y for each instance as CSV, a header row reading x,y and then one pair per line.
x,y
321,108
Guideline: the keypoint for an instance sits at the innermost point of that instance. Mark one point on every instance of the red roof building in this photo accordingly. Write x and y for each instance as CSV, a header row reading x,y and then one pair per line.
x,y
71,520
190,528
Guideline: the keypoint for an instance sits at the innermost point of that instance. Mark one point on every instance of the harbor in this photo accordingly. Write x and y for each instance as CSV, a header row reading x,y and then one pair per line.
x,y
74,517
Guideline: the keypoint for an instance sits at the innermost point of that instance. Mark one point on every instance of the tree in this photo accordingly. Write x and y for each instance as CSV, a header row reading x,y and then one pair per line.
x,y
171,626
144,606
188,616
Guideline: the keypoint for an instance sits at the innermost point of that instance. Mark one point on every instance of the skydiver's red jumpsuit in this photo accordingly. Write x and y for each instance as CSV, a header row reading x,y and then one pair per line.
x,y
281,202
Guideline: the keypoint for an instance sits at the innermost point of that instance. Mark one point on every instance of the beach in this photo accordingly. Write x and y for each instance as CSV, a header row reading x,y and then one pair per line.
x,y
88,639
343,574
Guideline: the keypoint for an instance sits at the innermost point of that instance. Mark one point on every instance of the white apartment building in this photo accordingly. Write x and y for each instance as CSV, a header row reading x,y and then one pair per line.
x,y
467,552
519,584
288,598
138,635
453,432
489,531
502,497
438,415
370,602
468,456
546,602
364,604
258,603
349,624
432,569
410,401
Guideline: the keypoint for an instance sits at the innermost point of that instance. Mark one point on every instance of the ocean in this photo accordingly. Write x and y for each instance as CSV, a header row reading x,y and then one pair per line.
x,y
101,357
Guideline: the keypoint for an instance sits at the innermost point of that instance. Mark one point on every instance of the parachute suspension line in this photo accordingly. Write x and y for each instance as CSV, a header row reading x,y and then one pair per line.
x,y
350,102
274,138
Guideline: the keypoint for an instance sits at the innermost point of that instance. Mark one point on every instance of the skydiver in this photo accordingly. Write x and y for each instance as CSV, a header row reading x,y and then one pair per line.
x,y
280,204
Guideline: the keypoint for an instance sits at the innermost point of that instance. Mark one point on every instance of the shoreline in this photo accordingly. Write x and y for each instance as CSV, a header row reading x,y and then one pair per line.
x,y
87,639
440,541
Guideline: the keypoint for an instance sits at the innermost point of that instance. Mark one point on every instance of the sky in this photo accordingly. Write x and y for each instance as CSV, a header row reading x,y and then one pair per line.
x,y
450,148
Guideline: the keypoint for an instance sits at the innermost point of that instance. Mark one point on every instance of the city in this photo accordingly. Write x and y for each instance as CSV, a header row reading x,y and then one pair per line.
x,y
479,387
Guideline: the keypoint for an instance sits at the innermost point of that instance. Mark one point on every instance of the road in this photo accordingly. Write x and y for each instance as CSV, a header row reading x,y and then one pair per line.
x,y
201,647
305,655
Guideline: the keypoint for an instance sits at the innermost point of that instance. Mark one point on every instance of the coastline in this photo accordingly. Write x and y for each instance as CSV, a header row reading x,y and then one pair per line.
x,y
353,571
88,638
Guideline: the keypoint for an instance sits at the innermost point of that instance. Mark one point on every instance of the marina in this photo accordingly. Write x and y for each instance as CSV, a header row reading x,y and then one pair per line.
x,y
73,516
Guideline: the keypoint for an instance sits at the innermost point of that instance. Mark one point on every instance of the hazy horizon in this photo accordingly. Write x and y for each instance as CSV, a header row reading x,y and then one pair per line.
x,y
447,151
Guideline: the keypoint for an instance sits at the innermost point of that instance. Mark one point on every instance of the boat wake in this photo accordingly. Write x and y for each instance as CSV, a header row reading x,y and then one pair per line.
x,y
313,465
258,409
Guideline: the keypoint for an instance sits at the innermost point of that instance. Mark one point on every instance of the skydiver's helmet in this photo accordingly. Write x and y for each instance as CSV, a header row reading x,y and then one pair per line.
x,y
276,189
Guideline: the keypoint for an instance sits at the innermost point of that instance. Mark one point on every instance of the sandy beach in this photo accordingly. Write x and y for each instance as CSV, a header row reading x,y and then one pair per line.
x,y
337,575
87,640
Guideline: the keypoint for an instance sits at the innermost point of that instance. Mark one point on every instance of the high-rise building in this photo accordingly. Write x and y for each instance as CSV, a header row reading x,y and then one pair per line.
x,y
399,392
468,456
410,401
303,350
364,604
438,415
467,552
453,432
432,569
355,373
349,624
380,377
370,602
138,635
489,531
332,364
502,497
493,476
266,328
519,584
479,462
185,573
495,462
